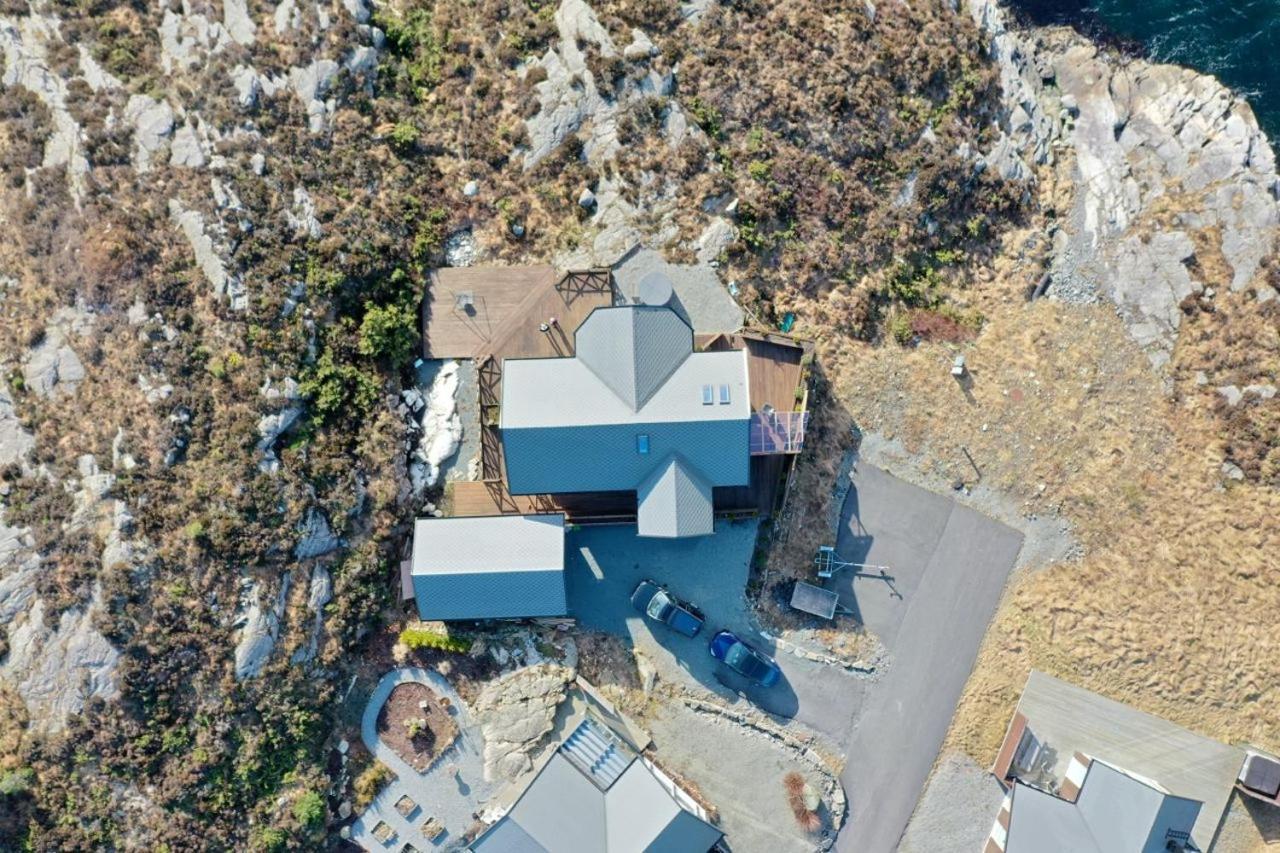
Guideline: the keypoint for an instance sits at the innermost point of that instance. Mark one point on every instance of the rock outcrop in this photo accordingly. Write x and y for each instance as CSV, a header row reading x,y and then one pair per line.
x,y
515,712
1173,181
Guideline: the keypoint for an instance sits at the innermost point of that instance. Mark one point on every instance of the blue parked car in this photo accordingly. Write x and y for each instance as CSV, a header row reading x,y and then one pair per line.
x,y
652,599
744,660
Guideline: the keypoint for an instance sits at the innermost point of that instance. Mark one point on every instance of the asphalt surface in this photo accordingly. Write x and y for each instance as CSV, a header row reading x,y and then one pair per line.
x,y
947,566
603,567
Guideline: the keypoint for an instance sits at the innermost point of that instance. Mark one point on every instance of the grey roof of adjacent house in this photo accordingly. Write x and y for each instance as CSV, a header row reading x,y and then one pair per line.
x,y
1115,812
674,501
500,567
595,795
1071,719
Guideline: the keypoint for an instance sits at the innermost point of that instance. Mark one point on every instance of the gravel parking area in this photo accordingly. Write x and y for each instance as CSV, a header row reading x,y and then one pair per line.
x,y
957,809
740,772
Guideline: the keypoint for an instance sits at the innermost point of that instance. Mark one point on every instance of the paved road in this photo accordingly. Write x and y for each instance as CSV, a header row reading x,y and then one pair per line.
x,y
605,564
949,564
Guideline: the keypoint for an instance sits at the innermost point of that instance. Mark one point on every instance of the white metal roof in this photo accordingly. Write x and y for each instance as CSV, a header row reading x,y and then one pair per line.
x,y
558,392
506,543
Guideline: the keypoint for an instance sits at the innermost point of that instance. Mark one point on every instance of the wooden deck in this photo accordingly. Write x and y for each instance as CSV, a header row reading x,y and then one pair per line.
x,y
509,304
471,498
774,366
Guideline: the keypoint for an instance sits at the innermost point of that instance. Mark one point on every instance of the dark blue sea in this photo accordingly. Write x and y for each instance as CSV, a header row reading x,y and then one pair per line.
x,y
1238,42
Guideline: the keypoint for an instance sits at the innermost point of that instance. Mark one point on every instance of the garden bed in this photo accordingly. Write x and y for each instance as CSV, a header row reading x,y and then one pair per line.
x,y
415,724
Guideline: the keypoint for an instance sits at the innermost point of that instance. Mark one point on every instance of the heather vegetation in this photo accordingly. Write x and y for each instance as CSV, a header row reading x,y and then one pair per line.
x,y
838,133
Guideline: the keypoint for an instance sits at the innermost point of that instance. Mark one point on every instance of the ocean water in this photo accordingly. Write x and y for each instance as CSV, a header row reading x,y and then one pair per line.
x,y
1238,42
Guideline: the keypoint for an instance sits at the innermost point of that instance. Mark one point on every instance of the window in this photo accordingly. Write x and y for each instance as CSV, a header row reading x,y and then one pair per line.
x,y
724,395
708,396
642,444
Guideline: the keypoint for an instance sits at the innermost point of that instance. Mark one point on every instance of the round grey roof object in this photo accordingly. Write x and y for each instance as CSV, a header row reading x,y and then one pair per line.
x,y
654,289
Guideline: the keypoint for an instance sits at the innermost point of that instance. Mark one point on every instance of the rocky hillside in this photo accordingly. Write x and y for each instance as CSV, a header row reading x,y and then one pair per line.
x,y
219,219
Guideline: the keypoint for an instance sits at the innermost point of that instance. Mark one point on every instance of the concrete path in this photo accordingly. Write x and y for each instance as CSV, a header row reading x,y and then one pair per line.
x,y
453,799
949,565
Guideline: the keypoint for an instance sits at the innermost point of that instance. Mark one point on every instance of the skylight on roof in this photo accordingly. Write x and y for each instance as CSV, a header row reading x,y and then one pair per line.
x,y
642,443
708,395
724,395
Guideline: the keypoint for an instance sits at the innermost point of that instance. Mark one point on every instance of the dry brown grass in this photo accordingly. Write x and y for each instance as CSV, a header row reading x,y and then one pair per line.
x,y
1173,607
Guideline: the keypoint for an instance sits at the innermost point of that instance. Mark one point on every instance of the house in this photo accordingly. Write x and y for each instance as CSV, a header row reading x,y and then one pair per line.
x,y
635,410
1070,758
595,794
496,567
1104,810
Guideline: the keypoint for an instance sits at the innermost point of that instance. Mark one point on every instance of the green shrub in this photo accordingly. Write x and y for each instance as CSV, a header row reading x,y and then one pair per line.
x,y
421,638
900,329
707,117
389,332
272,840
334,387
14,782
404,136
310,810
370,781
759,170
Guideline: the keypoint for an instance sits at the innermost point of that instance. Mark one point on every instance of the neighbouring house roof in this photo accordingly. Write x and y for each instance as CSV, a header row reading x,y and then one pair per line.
x,y
611,417
673,501
595,795
501,567
1115,812
1071,719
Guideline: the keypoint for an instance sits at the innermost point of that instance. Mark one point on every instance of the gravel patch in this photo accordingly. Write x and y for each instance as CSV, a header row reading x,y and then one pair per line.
x,y
957,809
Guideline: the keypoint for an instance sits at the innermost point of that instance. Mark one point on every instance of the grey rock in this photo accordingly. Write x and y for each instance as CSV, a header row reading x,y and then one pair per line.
x,y
471,189
248,85
23,46
52,367
302,218
1232,471
358,9
717,237
1231,394
270,428
186,148
191,223
15,441
236,21
1265,392
317,537
258,163
640,48
152,123
1139,130
586,199
259,624
460,249
310,84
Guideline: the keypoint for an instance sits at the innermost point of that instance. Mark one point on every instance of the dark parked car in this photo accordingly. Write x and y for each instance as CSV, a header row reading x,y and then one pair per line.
x,y
653,600
744,660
